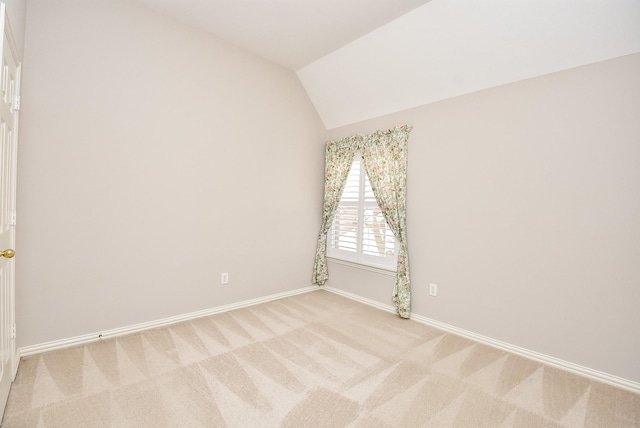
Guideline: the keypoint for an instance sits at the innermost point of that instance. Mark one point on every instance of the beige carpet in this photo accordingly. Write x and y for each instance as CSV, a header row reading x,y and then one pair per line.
x,y
312,360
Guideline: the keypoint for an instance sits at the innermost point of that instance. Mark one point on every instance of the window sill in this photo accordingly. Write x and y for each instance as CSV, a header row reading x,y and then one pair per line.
x,y
370,268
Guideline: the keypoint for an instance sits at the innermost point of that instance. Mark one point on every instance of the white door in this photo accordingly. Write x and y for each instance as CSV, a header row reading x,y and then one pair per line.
x,y
9,105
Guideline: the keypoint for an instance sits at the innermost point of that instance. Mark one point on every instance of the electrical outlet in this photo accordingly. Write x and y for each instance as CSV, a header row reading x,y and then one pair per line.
x,y
433,289
224,278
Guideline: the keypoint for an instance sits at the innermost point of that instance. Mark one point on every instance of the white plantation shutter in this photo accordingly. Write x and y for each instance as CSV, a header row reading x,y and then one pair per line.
x,y
377,238
359,232
344,232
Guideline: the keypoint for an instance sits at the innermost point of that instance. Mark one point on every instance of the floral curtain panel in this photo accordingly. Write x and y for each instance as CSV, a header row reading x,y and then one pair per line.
x,y
338,160
385,160
384,154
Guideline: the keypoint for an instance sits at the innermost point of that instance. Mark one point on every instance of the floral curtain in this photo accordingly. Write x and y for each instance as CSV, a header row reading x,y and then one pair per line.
x,y
384,154
338,159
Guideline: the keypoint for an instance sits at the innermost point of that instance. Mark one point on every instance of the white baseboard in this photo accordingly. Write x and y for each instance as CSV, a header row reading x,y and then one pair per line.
x,y
526,353
107,334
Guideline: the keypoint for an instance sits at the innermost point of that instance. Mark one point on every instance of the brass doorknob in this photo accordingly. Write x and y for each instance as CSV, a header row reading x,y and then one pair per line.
x,y
7,253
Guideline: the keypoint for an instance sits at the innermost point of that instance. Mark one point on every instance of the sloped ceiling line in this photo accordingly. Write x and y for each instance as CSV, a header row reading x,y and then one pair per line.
x,y
360,59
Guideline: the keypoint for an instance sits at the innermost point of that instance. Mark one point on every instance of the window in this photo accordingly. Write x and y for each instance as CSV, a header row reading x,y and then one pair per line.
x,y
359,232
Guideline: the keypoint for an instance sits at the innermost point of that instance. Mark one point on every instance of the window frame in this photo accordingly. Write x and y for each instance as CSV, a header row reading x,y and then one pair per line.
x,y
359,258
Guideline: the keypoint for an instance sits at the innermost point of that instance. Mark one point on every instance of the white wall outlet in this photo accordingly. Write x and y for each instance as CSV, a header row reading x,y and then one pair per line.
x,y
224,278
433,289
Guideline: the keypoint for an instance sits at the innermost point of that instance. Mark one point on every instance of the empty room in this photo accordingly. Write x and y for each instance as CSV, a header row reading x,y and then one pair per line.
x,y
312,213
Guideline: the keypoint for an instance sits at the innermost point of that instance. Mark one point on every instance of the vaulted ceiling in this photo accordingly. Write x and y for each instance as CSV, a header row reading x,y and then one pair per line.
x,y
360,59
292,33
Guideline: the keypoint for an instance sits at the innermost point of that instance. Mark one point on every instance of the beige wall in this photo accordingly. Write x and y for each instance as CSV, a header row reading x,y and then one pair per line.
x,y
524,207
152,158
